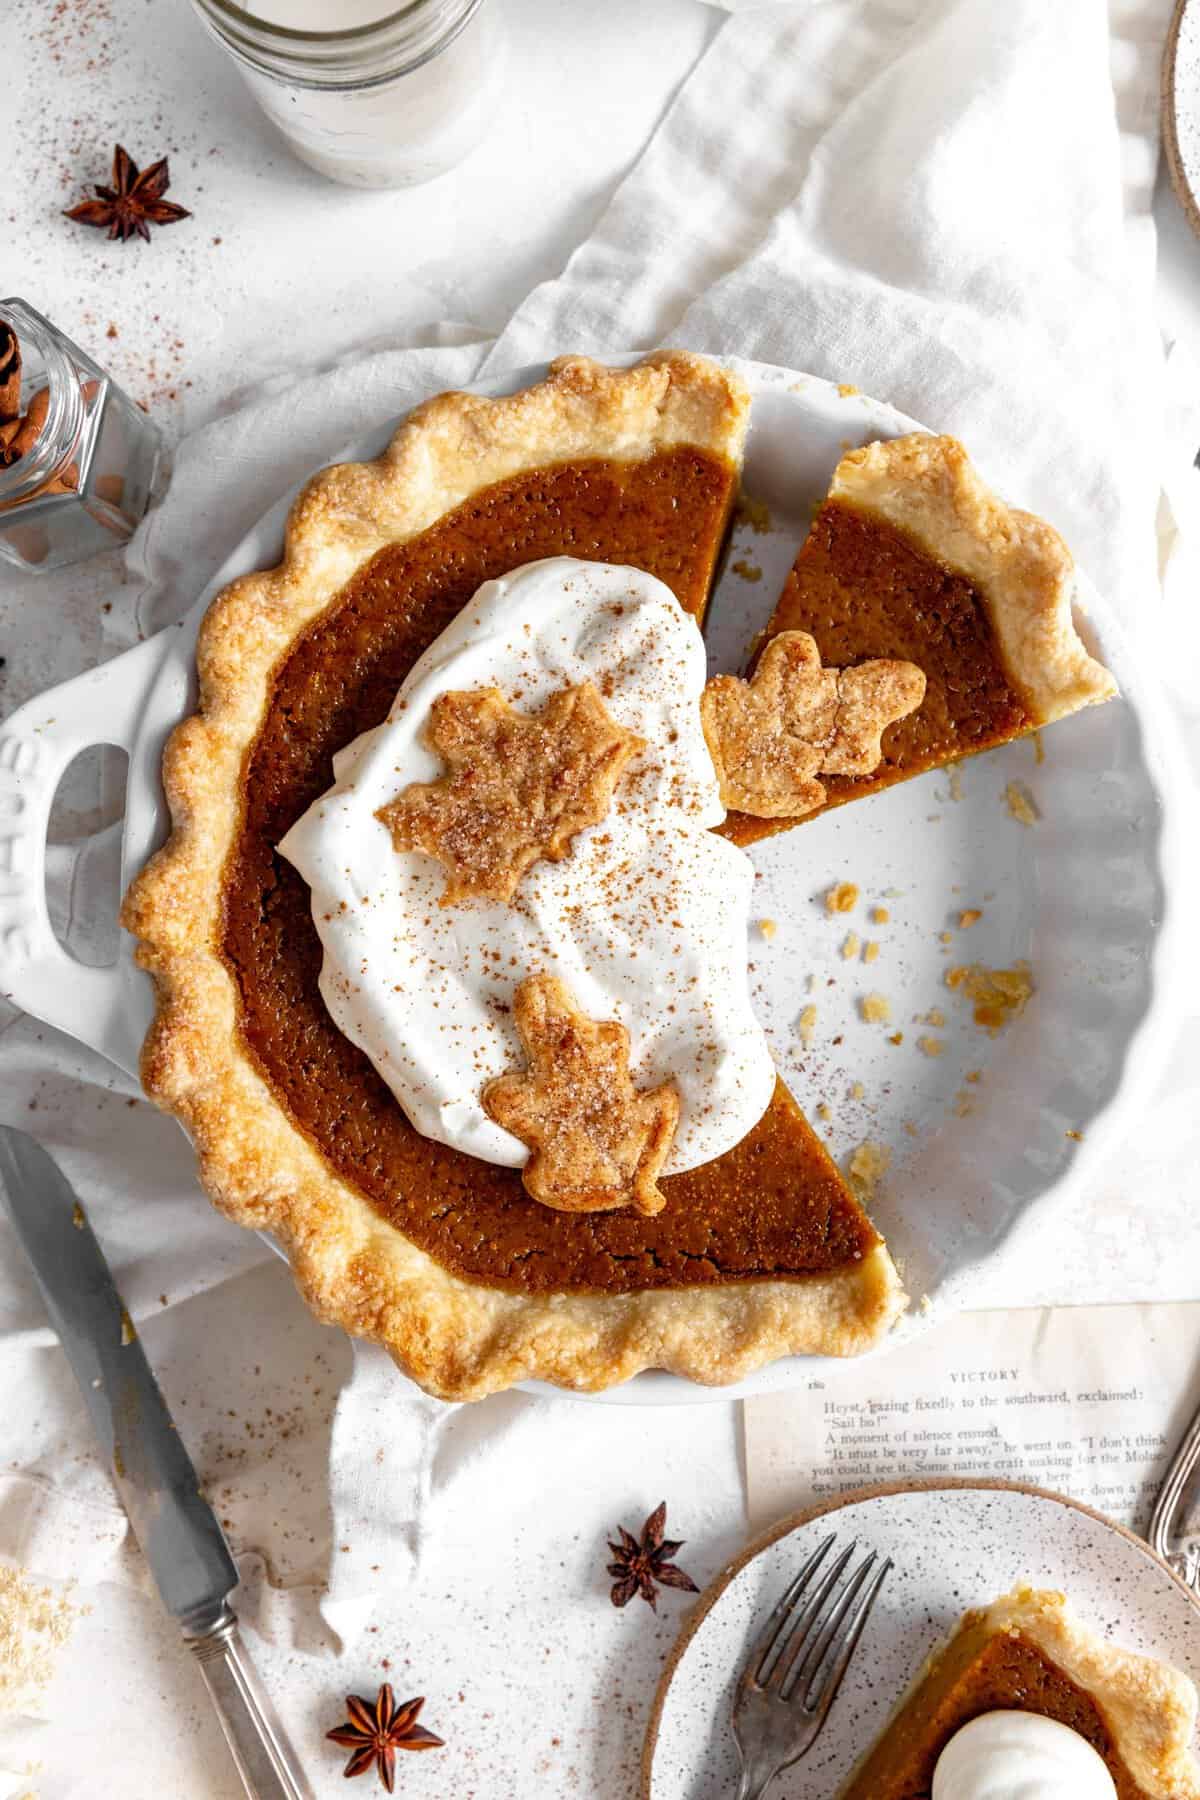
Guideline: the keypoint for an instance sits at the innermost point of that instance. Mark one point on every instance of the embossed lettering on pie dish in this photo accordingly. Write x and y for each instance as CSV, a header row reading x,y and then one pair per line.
x,y
770,737
1028,1652
761,1251
595,1141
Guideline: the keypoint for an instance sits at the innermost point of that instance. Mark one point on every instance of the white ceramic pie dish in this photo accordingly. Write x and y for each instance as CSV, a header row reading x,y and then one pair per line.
x,y
1082,895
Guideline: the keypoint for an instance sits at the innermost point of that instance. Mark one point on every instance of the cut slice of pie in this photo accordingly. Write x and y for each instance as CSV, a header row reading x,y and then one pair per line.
x,y
444,1258
911,557
1028,1653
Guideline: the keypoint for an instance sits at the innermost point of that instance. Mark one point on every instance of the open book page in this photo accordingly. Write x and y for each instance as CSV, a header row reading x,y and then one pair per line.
x,y
1089,1400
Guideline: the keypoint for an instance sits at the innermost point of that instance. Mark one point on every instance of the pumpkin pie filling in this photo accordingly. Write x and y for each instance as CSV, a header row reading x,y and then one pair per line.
x,y
774,1206
862,587
981,1674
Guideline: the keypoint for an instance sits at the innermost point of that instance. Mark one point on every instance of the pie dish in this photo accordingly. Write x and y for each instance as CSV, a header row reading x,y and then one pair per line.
x,y
1027,1652
761,1252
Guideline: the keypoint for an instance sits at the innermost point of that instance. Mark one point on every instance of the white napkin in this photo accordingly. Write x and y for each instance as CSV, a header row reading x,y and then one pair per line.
x,y
931,199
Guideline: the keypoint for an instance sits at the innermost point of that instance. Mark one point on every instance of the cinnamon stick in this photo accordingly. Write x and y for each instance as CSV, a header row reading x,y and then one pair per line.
x,y
10,375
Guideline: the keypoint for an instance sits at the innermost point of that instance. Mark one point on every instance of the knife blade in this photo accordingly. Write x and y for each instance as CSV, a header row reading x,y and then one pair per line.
x,y
154,1475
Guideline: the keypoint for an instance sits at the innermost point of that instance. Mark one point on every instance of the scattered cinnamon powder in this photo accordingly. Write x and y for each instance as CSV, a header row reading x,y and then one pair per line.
x,y
998,995
1021,803
875,1009
842,897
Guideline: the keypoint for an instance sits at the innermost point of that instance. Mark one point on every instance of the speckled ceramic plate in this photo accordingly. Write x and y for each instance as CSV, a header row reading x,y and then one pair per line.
x,y
954,1545
1181,106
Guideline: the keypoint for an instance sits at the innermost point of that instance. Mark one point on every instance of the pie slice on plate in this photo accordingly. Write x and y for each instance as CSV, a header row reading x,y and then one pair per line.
x,y
398,1195
1027,1654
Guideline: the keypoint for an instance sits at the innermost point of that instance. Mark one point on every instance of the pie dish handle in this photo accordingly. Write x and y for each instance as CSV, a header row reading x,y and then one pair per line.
x,y
37,742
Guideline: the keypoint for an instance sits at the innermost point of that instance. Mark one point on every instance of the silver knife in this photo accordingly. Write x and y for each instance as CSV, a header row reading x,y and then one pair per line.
x,y
173,1522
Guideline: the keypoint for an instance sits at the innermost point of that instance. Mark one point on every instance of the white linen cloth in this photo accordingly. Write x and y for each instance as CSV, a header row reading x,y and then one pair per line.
x,y
937,200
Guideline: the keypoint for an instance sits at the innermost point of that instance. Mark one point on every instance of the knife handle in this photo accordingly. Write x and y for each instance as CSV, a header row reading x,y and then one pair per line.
x,y
264,1758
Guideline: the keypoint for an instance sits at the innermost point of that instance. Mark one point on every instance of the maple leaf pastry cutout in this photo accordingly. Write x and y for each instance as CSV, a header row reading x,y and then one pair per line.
x,y
133,202
595,1141
517,789
772,736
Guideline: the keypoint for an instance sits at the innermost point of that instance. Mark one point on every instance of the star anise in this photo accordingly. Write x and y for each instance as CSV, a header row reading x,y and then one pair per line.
x,y
375,1731
642,1566
133,203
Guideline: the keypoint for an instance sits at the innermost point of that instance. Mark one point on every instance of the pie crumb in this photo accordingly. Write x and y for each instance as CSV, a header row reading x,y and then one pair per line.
x,y
858,1091
964,1103
875,1009
1021,803
35,1623
867,1167
823,1112
808,1026
842,897
747,570
754,513
910,1128
935,1016
846,389
998,995
870,951
897,1037
956,783
768,927
971,916
1039,748
974,1074
849,946
880,915
1075,1136
930,1046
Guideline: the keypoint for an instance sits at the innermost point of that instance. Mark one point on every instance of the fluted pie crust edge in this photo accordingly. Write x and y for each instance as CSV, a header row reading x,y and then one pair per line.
x,y
458,1338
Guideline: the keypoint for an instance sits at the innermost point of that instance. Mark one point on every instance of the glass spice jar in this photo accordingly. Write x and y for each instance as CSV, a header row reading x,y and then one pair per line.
x,y
84,481
370,94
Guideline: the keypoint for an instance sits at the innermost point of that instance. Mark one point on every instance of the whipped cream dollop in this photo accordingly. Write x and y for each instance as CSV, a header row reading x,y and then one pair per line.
x,y
1020,1756
645,920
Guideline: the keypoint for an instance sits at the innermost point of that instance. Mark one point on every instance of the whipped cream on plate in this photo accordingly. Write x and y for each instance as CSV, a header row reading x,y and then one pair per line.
x,y
1020,1756
645,920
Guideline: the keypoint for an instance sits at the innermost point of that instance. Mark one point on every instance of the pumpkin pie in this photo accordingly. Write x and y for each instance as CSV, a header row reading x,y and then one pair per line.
x,y
908,635
911,557
469,1280
1027,1653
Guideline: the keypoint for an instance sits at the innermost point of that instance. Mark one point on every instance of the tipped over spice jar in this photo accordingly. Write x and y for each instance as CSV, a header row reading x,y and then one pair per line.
x,y
77,457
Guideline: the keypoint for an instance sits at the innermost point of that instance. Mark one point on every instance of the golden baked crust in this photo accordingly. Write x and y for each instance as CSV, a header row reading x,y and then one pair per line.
x,y
1149,1707
926,487
458,1338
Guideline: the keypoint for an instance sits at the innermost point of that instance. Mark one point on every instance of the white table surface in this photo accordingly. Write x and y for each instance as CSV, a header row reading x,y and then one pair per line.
x,y
540,1687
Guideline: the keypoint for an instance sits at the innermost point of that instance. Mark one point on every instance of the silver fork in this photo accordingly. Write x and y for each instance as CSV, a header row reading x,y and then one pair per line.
x,y
796,1665
1167,1519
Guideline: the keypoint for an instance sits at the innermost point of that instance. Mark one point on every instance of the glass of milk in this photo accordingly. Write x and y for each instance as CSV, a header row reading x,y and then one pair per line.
x,y
369,93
